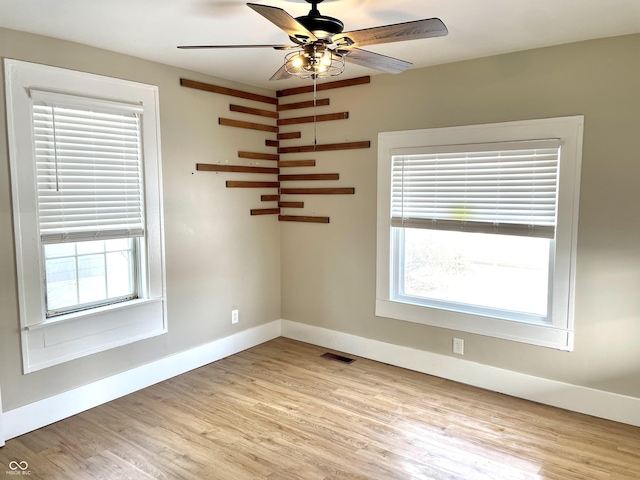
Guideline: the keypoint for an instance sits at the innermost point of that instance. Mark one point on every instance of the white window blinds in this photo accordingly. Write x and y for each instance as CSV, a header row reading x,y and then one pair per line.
x,y
505,188
88,168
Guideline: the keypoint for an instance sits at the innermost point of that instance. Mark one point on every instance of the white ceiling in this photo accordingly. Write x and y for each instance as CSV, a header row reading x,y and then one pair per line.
x,y
152,29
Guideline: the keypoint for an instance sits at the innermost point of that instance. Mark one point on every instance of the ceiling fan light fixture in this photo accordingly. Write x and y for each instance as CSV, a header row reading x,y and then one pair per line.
x,y
314,61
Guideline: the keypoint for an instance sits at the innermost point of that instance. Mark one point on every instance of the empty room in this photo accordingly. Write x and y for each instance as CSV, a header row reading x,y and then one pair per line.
x,y
316,240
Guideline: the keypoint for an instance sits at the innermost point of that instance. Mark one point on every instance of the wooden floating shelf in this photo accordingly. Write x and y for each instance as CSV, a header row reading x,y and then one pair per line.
x,y
248,125
321,102
310,119
309,176
207,167
259,156
291,204
265,211
300,218
325,147
274,128
289,136
296,163
253,111
324,86
207,87
242,184
318,191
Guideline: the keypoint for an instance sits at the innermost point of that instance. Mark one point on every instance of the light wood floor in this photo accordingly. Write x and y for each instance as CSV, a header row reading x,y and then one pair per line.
x,y
280,411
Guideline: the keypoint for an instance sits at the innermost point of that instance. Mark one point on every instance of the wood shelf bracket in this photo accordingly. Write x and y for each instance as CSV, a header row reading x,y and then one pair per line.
x,y
207,167
301,218
265,211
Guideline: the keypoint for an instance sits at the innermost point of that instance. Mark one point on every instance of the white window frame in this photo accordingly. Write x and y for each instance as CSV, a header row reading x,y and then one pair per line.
x,y
559,332
47,342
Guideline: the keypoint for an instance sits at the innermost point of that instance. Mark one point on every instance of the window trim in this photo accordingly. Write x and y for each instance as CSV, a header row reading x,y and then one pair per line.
x,y
558,335
47,342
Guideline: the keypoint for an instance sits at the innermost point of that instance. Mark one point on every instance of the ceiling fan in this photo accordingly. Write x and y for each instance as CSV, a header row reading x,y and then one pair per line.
x,y
320,47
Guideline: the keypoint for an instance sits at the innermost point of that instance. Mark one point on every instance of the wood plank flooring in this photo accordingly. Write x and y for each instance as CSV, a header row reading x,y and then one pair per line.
x,y
280,411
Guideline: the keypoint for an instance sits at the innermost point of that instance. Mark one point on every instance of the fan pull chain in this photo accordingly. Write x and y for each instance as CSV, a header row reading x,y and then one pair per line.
x,y
315,123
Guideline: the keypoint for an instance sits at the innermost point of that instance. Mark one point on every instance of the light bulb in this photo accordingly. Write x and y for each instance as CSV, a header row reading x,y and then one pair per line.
x,y
297,61
326,59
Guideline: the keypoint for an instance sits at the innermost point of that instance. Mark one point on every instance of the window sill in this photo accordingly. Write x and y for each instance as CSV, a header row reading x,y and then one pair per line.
x,y
68,317
79,334
475,310
533,334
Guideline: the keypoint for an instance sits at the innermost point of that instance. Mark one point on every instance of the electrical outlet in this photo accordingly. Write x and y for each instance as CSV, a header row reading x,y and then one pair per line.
x,y
234,316
458,346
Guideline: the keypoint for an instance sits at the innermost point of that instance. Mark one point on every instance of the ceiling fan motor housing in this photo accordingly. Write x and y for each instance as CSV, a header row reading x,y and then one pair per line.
x,y
322,26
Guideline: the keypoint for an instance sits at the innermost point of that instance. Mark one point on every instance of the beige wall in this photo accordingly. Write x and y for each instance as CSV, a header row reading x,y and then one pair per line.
x,y
217,256
328,272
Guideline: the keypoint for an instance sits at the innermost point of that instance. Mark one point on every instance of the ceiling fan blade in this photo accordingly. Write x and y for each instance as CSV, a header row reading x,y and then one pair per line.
x,y
284,21
281,74
376,61
398,32
276,47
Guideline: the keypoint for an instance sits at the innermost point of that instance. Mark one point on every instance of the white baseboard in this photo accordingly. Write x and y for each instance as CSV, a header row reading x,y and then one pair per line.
x,y
598,403
44,412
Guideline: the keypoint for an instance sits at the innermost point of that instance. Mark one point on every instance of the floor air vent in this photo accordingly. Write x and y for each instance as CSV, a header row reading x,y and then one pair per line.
x,y
339,358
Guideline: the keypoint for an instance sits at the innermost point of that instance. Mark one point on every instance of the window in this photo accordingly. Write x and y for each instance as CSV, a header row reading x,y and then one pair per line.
x,y
83,275
477,228
89,183
85,166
